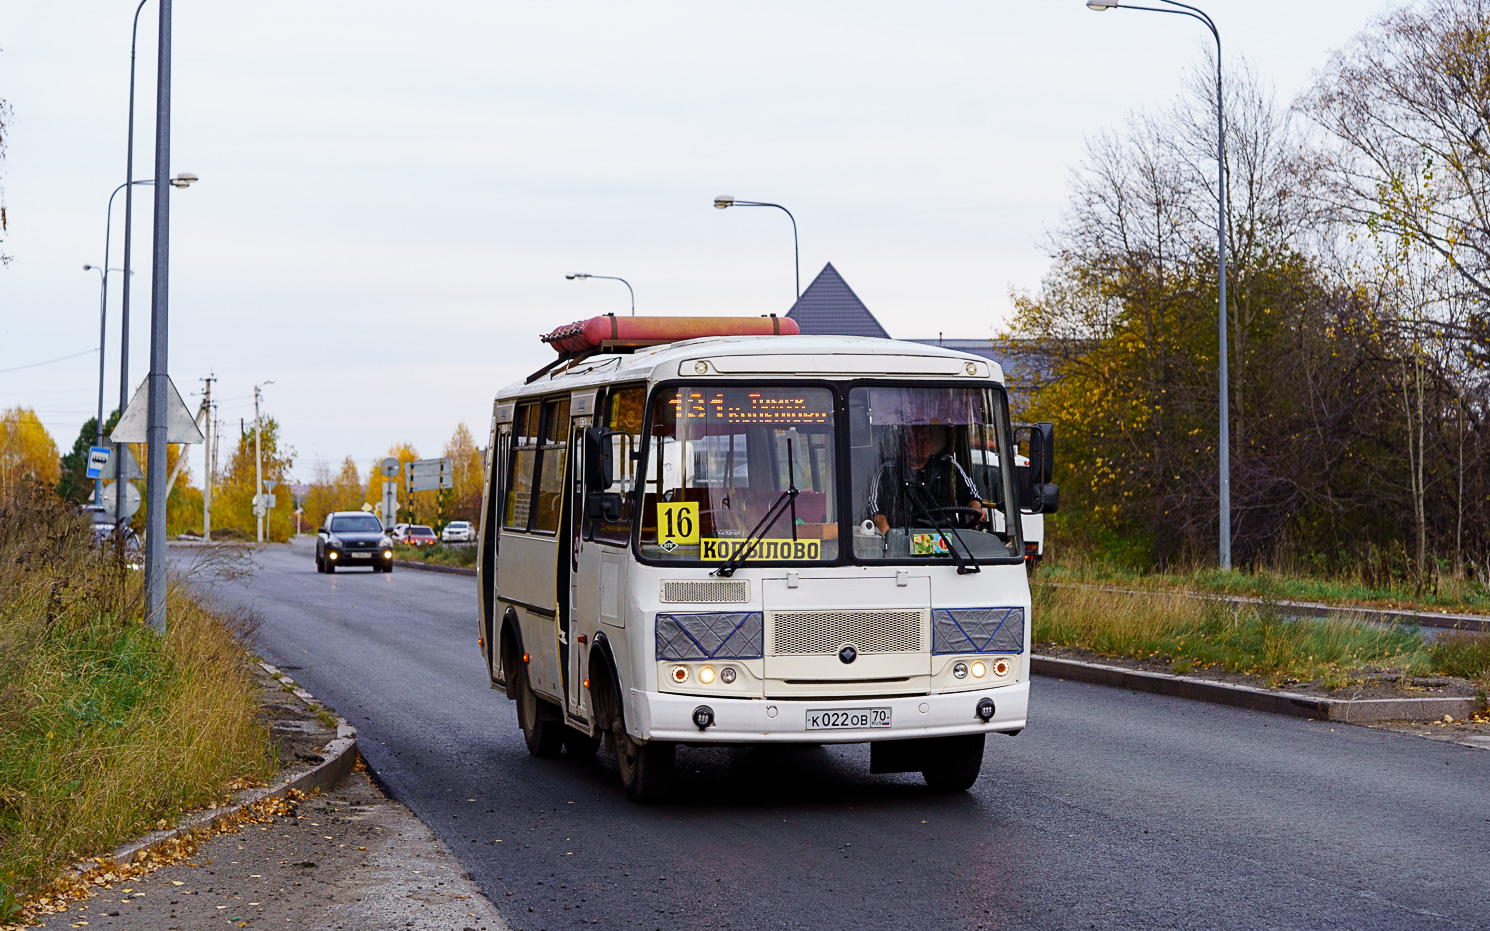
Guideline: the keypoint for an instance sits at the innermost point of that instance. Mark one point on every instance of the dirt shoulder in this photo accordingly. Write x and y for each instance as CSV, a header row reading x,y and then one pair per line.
x,y
347,858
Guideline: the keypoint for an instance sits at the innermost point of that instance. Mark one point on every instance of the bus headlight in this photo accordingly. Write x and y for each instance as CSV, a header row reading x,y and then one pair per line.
x,y
979,670
706,675
727,675
680,674
960,670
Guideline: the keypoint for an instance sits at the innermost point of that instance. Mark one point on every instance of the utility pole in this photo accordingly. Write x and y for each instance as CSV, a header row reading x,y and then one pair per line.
x,y
207,457
258,472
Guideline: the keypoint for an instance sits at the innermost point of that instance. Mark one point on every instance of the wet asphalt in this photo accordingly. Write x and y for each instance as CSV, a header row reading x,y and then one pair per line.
x,y
1112,810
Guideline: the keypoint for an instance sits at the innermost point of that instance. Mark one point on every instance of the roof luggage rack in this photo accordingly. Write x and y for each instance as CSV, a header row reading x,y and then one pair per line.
x,y
584,338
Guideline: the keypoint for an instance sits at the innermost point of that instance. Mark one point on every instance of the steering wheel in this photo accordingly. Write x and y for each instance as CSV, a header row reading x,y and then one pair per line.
x,y
976,515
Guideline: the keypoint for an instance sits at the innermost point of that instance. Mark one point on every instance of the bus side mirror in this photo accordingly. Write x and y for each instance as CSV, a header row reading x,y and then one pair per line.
x,y
1035,497
1042,451
600,472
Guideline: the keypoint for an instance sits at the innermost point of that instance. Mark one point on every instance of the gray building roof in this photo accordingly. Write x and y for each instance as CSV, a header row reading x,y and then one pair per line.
x,y
829,307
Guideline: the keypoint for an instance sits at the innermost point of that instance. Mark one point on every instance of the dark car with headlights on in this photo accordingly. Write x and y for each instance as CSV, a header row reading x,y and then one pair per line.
x,y
353,538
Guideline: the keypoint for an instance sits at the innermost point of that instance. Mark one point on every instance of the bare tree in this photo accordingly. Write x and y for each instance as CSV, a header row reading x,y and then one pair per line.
x,y
1406,109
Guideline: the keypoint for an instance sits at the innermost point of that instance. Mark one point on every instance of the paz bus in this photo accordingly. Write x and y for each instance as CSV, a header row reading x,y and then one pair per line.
x,y
717,531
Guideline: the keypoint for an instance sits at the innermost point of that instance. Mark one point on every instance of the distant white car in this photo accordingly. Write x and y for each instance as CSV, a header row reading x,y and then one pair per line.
x,y
458,531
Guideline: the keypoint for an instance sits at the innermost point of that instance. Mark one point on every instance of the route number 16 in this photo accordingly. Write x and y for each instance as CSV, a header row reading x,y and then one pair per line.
x,y
677,523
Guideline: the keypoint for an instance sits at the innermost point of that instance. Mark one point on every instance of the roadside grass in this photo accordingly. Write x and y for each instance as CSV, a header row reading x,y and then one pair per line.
x,y
1442,593
1466,656
106,730
439,554
1255,640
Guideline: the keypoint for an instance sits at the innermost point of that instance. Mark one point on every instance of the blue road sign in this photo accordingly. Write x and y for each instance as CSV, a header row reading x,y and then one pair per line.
x,y
98,457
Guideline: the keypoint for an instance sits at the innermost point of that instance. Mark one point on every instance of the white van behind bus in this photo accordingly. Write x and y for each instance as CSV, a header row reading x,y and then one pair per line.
x,y
744,539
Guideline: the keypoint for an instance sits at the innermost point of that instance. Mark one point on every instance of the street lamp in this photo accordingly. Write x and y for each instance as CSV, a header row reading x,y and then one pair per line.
x,y
1225,444
183,179
609,278
724,201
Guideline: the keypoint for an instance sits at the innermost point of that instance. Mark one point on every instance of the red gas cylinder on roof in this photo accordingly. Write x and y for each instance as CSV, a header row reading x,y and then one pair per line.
x,y
612,332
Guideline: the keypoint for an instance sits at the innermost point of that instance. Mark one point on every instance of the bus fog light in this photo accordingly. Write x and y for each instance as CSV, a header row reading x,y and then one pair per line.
x,y
706,675
727,675
680,674
985,710
703,717
1001,667
960,670
979,670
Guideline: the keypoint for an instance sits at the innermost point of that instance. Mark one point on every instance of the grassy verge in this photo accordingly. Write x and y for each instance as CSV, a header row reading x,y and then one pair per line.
x,y
439,553
1444,593
106,730
1254,640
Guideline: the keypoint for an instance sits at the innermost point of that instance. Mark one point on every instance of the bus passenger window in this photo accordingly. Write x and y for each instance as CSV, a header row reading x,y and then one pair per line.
x,y
551,467
524,456
623,415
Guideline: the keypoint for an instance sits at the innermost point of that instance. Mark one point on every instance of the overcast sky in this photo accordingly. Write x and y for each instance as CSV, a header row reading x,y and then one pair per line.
x,y
391,194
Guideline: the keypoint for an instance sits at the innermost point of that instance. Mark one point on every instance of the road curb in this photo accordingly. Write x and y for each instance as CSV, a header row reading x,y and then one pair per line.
x,y
338,757
1349,711
432,567
1472,622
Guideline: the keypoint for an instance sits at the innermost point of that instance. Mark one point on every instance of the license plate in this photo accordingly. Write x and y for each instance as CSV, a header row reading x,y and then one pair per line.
x,y
847,719
360,555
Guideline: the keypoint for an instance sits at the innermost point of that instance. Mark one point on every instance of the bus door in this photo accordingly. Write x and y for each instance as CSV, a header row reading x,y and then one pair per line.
x,y
578,567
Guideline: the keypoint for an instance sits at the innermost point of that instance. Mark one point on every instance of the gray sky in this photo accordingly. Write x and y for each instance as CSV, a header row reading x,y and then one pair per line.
x,y
391,193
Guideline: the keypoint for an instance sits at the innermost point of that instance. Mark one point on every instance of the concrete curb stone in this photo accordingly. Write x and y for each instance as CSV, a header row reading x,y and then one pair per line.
x,y
1349,711
432,567
338,757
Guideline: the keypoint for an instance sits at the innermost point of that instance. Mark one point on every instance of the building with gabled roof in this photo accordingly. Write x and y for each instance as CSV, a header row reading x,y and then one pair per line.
x,y
829,307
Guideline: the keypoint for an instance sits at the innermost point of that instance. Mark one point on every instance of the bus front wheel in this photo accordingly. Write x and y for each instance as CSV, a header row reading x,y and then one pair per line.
x,y
952,764
646,768
543,731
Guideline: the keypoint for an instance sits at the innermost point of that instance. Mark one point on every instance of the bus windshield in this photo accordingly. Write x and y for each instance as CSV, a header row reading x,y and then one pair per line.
x,y
721,457
926,475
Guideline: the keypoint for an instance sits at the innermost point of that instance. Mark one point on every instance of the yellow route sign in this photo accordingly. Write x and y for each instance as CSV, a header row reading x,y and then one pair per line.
x,y
677,524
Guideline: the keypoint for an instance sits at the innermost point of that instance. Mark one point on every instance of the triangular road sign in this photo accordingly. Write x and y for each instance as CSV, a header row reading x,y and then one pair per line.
x,y
132,468
181,426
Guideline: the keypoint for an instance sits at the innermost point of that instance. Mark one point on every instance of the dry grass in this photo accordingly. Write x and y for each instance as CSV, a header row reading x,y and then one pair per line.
x,y
1256,640
106,730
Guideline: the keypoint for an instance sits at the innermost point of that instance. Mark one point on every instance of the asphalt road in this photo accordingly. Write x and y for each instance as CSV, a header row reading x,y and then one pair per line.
x,y
1112,810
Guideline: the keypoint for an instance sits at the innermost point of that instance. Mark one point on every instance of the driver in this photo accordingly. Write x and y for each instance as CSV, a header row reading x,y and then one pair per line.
x,y
944,481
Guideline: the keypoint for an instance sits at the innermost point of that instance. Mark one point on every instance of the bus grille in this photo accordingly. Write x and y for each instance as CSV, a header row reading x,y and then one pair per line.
x,y
808,633
732,591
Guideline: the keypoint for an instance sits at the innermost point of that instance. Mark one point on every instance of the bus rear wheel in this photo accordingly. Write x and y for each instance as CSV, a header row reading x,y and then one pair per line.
x,y
646,768
952,764
543,732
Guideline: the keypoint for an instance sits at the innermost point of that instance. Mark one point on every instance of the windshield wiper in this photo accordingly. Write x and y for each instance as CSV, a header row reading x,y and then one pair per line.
x,y
965,564
764,525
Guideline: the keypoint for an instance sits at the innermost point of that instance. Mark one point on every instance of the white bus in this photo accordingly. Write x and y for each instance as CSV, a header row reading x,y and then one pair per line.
x,y
758,539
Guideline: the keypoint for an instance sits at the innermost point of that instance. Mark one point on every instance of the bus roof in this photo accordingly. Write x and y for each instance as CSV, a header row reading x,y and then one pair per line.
x,y
763,357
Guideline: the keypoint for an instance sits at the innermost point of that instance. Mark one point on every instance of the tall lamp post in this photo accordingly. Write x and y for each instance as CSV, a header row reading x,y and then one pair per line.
x,y
609,278
725,201
183,180
1184,9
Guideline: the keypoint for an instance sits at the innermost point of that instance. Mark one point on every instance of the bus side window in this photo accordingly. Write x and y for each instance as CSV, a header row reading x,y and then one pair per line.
x,y
551,470
623,413
516,509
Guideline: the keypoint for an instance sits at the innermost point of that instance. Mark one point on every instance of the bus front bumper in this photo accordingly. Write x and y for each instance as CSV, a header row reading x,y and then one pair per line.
x,y
663,716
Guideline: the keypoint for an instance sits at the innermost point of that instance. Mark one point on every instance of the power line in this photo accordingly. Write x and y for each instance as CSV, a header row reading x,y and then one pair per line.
x,y
33,365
